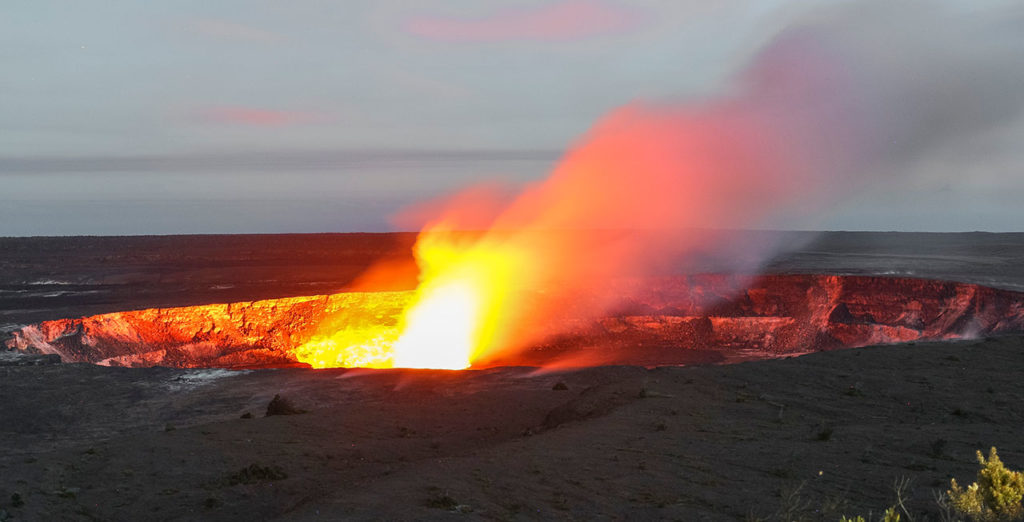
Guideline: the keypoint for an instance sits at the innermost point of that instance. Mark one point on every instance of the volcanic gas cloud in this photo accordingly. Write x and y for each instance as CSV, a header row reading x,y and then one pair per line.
x,y
828,105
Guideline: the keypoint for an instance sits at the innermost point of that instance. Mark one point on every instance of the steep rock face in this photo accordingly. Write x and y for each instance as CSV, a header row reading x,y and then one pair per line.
x,y
774,314
797,313
245,334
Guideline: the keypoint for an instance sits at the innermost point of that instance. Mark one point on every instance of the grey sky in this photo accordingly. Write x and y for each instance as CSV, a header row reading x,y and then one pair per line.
x,y
270,116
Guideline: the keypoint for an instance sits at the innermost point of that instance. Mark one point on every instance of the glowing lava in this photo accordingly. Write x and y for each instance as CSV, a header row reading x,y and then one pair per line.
x,y
439,330
350,348
453,318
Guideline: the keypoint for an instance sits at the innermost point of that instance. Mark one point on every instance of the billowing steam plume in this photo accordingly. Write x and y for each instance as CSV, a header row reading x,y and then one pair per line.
x,y
832,103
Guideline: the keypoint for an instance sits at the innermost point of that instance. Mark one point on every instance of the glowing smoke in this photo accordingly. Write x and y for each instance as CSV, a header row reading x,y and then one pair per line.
x,y
829,105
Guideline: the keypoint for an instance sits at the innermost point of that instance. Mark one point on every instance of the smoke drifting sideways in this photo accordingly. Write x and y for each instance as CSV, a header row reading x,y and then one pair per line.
x,y
833,103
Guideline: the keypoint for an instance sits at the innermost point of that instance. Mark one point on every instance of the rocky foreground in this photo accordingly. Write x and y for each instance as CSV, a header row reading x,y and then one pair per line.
x,y
807,437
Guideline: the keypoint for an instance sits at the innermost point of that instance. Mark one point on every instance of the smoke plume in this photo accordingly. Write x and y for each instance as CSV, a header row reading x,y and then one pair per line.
x,y
834,102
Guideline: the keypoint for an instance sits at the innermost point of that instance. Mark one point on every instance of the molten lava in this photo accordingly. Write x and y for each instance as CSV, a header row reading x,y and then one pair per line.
x,y
452,319
360,336
350,348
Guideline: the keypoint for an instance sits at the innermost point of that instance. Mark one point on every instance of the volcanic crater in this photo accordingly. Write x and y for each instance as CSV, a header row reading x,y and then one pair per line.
x,y
705,318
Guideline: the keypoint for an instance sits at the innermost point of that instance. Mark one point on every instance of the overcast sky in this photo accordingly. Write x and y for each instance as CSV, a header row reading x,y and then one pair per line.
x,y
303,116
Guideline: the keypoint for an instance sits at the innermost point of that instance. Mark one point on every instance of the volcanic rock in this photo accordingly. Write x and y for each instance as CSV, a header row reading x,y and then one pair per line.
x,y
282,406
254,473
16,358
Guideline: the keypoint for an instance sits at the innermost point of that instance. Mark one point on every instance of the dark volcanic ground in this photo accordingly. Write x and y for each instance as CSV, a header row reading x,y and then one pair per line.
x,y
809,438
803,438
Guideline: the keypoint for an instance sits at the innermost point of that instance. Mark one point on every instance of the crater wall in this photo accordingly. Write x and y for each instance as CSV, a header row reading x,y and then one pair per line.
x,y
664,321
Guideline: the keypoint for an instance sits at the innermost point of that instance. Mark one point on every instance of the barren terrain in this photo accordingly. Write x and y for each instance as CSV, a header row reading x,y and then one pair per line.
x,y
809,437
685,443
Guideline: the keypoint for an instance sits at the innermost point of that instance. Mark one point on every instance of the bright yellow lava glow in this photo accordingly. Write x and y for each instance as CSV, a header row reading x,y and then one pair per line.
x,y
350,348
454,316
439,328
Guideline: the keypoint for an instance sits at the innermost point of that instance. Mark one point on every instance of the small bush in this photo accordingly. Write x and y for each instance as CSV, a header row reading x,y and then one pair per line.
x,y
994,497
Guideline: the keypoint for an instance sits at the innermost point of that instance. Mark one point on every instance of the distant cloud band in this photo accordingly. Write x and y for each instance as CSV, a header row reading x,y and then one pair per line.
x,y
257,117
560,21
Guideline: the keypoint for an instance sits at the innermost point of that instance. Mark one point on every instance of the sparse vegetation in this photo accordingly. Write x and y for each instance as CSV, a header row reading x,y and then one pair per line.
x,y
995,496
792,503
795,507
890,515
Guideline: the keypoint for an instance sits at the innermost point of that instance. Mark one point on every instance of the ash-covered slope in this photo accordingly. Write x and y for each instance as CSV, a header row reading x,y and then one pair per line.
x,y
665,321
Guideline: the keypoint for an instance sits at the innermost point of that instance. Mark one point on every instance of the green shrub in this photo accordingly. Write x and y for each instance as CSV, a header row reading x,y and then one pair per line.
x,y
995,496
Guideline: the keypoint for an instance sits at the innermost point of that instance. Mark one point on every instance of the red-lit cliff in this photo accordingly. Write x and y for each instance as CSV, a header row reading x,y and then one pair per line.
x,y
664,318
